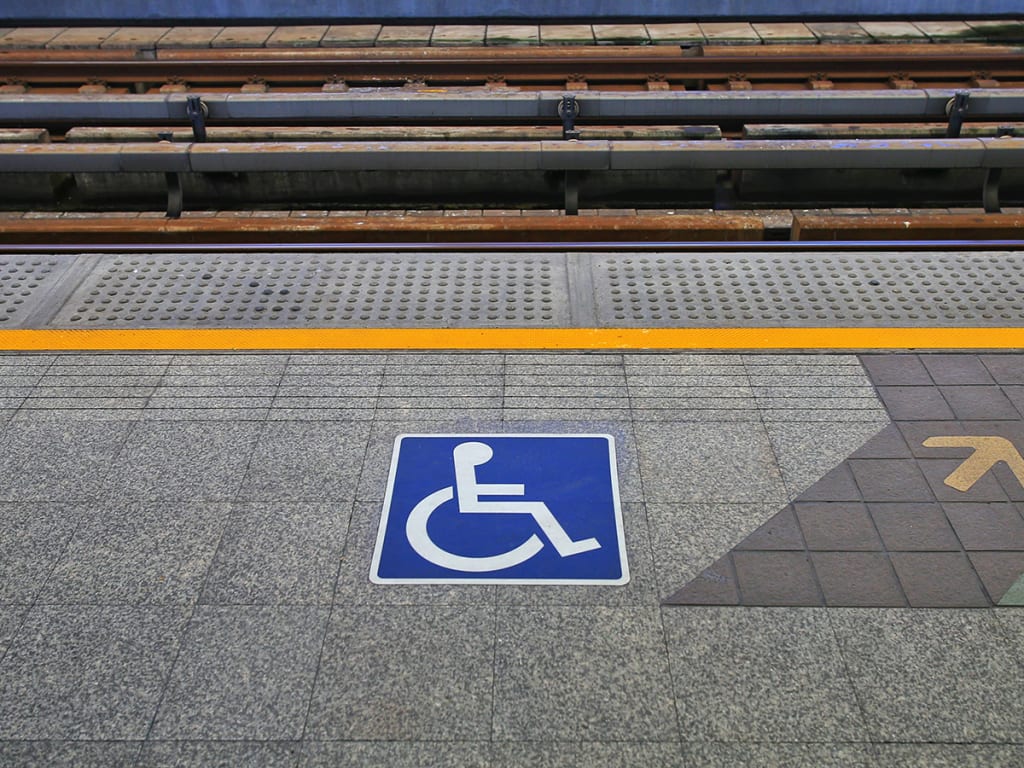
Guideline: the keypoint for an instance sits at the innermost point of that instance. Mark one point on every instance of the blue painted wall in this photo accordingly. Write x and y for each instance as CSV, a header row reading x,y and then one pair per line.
x,y
339,11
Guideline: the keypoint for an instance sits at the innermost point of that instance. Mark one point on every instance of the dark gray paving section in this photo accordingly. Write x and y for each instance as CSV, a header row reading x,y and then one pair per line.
x,y
282,290
889,526
184,557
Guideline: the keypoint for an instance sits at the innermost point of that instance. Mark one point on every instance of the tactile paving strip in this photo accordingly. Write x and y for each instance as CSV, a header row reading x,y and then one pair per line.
x,y
298,290
853,290
24,280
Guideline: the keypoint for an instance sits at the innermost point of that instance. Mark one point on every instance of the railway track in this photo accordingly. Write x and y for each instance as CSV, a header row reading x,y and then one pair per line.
x,y
653,68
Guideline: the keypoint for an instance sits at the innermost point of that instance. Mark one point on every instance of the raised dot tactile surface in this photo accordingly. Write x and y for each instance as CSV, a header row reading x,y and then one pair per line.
x,y
23,281
883,289
288,290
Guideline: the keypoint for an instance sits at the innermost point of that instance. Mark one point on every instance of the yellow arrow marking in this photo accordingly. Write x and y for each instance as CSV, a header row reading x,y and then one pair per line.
x,y
988,451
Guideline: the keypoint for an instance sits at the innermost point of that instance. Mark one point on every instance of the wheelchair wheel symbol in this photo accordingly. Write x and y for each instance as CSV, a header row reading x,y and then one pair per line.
x,y
467,457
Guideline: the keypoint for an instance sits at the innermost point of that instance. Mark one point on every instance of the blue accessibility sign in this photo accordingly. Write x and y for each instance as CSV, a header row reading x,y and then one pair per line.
x,y
501,509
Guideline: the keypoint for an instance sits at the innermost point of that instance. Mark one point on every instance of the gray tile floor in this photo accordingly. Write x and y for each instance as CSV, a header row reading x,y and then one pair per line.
x,y
185,544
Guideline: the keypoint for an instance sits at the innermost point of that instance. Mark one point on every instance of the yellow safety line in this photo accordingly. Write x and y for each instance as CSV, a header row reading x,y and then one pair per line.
x,y
225,339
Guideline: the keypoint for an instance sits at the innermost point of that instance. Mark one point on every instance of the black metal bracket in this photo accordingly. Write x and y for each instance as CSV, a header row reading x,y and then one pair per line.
x,y
569,110
175,195
725,191
956,110
197,113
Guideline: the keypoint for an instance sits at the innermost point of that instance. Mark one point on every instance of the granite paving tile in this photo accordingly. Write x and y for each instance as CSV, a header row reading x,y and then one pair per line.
x,y
81,37
1005,369
842,526
11,617
621,34
998,30
80,754
439,415
938,580
595,754
890,480
350,387
987,526
916,432
887,444
781,532
836,485
190,37
982,402
244,672
135,37
810,414
936,471
640,413
30,37
350,35
183,460
566,34
687,537
686,461
784,33
949,31
998,571
395,754
727,755
404,36
956,369
441,690
932,675
319,414
895,370
278,554
200,414
948,755
914,526
221,754
914,403
776,578
562,673
729,33
457,34
242,37
307,36
314,461
807,451
760,675
34,536
60,461
680,34
354,586
87,672
893,31
857,579
137,553
513,34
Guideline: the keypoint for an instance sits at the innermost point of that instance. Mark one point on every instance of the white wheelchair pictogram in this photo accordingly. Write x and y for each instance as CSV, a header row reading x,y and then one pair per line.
x,y
467,457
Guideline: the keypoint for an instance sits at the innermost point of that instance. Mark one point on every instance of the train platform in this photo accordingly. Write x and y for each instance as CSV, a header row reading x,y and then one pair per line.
x,y
209,557
688,33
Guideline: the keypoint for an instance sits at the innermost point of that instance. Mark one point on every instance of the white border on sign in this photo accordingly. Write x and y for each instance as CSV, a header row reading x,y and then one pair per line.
x,y
613,466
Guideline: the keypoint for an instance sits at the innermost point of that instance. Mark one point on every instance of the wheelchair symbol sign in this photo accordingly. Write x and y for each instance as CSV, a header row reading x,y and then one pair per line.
x,y
501,509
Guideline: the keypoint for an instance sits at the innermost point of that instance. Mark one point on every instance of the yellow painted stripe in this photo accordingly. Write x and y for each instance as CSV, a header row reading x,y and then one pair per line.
x,y
225,339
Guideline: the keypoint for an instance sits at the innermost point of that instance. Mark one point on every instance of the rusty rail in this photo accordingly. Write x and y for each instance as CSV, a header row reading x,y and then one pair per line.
x,y
644,67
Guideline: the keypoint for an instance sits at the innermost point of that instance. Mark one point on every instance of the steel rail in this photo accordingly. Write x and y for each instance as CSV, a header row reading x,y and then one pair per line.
x,y
359,106
597,155
531,65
